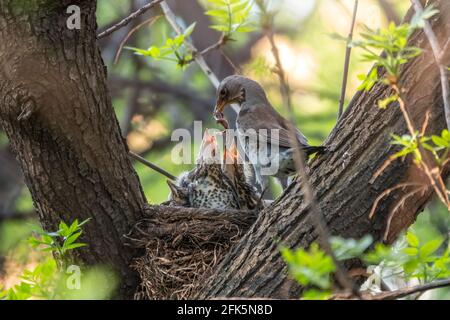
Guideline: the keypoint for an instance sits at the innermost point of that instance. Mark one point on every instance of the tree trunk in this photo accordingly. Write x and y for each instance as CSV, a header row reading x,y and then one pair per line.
x,y
343,182
68,141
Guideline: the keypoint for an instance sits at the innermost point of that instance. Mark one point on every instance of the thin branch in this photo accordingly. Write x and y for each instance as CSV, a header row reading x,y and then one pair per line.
x,y
387,192
214,46
149,21
348,52
151,165
400,204
300,164
401,293
437,52
198,57
128,19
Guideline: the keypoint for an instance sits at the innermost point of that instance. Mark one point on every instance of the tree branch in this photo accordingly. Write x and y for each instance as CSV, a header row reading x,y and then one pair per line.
x,y
198,57
347,62
151,165
401,293
128,19
437,52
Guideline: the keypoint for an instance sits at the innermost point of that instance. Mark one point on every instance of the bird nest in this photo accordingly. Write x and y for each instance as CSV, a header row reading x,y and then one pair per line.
x,y
182,246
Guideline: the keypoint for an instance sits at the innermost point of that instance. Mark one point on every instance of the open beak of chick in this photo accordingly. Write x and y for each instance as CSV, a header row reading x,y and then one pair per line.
x,y
218,113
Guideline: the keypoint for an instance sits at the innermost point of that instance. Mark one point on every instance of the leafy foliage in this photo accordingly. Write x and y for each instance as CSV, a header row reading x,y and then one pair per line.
x,y
418,259
174,49
393,42
48,280
231,16
39,283
438,145
345,249
310,268
60,241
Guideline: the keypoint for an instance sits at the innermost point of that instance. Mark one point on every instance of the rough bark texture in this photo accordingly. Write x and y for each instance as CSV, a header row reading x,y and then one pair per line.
x,y
343,182
70,149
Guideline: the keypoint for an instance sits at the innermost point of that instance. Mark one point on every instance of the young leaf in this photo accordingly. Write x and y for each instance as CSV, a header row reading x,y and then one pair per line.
x,y
412,239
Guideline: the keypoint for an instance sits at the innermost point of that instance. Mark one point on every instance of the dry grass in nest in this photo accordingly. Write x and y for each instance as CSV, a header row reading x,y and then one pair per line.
x,y
182,246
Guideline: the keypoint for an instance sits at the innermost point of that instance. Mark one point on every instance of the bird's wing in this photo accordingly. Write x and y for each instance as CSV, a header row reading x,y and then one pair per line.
x,y
265,117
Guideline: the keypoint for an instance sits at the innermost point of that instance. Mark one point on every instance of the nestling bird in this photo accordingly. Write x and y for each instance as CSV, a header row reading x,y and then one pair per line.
x,y
206,186
258,124
248,196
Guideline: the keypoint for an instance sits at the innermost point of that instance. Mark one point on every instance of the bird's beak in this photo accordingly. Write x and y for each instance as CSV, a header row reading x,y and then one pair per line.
x,y
218,109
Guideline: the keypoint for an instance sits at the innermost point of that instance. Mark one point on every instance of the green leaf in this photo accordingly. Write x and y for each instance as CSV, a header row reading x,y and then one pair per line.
x,y
72,239
410,251
188,31
369,81
429,248
154,52
345,249
218,2
217,13
245,28
412,239
219,28
73,227
178,40
410,266
313,294
75,245
138,51
384,103
63,229
445,135
440,142
309,267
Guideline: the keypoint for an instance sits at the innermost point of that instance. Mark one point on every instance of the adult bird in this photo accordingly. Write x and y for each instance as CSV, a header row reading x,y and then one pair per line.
x,y
262,131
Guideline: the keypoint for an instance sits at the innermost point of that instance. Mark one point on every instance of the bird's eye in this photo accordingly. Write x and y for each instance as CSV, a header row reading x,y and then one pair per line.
x,y
223,92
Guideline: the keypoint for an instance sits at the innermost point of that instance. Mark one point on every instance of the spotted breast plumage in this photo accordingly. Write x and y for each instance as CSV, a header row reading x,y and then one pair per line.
x,y
206,186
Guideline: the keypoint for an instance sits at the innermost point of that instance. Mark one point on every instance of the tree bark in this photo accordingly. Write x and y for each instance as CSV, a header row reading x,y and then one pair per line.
x,y
343,182
70,148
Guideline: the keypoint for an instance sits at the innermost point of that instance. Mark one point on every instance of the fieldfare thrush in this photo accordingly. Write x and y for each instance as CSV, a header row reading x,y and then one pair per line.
x,y
262,132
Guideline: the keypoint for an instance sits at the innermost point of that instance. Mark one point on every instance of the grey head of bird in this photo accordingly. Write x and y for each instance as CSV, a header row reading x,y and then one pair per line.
x,y
238,89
